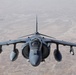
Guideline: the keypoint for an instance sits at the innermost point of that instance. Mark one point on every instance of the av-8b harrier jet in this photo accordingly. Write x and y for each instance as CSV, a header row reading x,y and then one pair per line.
x,y
36,47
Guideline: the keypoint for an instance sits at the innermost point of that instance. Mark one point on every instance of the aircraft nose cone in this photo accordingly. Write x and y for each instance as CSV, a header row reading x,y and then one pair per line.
x,y
35,60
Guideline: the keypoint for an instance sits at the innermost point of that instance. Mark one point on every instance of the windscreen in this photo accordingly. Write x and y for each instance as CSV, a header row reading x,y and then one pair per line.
x,y
35,43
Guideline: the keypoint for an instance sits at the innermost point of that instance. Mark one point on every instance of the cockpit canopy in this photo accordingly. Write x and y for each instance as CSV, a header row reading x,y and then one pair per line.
x,y
35,43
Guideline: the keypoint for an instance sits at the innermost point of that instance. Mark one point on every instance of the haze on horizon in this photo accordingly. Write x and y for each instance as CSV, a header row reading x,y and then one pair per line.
x,y
22,6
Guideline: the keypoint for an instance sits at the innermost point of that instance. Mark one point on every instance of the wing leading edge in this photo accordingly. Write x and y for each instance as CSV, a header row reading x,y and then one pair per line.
x,y
13,42
61,42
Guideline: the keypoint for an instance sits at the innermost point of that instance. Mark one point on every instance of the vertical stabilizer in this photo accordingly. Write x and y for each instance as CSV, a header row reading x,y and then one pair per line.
x,y
36,24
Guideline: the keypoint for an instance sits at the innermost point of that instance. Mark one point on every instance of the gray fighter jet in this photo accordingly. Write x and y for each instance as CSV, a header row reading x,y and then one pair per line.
x,y
36,47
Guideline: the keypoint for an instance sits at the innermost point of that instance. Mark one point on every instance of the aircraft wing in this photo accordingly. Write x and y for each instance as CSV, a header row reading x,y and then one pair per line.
x,y
60,42
13,42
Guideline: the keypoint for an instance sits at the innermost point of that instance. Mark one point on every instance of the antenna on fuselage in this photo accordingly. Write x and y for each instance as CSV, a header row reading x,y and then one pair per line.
x,y
36,24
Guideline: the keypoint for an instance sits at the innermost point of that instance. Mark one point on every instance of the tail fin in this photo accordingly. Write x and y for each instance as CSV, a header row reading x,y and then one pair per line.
x,y
36,24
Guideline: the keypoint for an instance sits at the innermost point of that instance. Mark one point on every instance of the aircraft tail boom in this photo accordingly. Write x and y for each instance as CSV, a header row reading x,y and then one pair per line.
x,y
36,24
